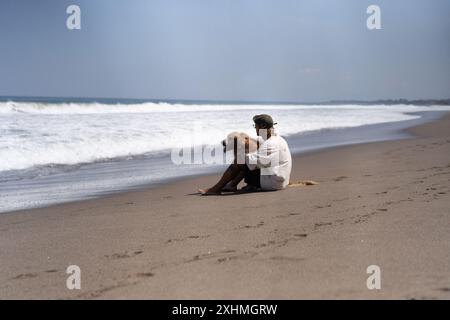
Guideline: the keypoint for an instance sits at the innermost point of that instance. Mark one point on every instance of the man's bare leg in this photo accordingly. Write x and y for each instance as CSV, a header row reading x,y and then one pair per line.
x,y
232,173
232,185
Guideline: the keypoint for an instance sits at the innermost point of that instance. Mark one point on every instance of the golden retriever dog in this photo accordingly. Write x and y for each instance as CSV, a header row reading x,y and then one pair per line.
x,y
240,143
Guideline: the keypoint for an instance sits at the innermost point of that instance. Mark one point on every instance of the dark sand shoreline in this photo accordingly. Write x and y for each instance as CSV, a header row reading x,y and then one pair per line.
x,y
383,203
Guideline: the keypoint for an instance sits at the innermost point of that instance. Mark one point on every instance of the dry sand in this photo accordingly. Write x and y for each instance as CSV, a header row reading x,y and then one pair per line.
x,y
384,204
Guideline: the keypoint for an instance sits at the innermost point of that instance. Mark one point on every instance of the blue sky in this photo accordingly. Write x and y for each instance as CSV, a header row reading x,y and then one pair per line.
x,y
255,50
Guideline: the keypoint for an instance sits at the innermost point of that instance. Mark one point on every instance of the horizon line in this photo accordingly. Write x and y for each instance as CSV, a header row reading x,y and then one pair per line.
x,y
218,101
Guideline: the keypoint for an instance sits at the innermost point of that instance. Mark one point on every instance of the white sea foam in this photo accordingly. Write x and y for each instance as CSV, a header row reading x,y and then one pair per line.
x,y
40,134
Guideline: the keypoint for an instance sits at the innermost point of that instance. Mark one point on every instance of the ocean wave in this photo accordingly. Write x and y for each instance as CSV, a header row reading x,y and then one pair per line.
x,y
42,134
13,107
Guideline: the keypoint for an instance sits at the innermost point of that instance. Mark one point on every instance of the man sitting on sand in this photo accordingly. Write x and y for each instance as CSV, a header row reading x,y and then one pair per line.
x,y
268,168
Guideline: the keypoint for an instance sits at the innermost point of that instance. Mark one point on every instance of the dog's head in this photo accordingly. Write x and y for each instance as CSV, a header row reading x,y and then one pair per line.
x,y
236,141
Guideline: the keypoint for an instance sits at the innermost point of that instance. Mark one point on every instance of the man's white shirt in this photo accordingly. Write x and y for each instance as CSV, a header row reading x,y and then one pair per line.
x,y
274,159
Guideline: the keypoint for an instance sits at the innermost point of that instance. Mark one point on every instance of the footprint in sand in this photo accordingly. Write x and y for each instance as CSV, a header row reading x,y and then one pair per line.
x,y
260,224
286,259
145,274
322,224
210,255
244,255
325,206
294,213
291,214
124,255
25,276
188,237
32,275
51,271
301,235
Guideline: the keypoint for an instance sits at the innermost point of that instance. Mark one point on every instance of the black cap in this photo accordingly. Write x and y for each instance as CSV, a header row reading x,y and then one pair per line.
x,y
263,120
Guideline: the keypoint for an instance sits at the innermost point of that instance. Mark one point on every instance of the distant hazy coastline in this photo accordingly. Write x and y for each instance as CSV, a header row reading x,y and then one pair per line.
x,y
400,101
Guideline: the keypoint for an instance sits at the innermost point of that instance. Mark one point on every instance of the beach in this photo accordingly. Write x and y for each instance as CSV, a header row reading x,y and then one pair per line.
x,y
380,203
